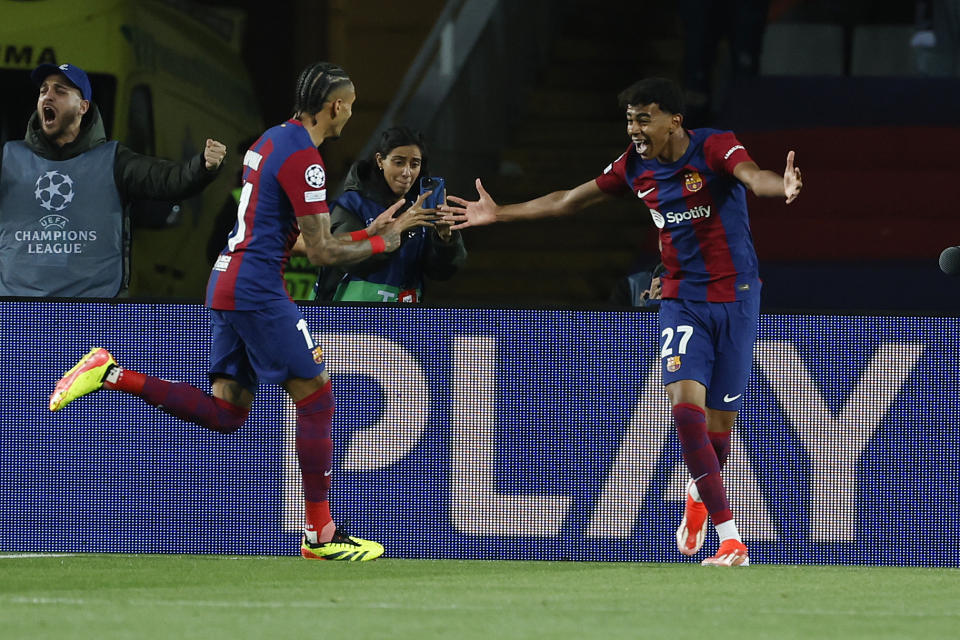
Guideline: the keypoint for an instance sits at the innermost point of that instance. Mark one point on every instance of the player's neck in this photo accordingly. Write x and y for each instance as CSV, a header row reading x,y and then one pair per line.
x,y
677,145
316,128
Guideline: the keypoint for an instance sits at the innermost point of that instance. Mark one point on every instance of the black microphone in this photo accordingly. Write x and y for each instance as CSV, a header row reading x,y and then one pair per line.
x,y
950,261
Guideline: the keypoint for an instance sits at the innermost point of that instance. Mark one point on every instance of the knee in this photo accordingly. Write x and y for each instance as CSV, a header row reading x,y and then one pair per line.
x,y
230,417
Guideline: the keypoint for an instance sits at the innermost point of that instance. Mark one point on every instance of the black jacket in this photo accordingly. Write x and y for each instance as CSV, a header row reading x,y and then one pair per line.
x,y
138,177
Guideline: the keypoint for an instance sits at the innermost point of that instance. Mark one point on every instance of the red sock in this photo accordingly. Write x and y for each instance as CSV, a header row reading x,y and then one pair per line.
x,y
721,445
179,399
315,454
701,459
319,520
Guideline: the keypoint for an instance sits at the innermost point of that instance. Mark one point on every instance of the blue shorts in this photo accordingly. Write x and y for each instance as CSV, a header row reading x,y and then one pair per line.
x,y
265,345
712,343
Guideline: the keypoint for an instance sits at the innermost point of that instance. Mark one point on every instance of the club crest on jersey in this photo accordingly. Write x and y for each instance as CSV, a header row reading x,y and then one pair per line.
x,y
693,181
315,176
318,355
673,363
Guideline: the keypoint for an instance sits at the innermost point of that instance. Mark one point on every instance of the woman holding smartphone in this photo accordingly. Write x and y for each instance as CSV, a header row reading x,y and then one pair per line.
x,y
395,170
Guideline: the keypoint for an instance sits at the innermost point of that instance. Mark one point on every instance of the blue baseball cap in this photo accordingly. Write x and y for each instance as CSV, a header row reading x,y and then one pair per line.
x,y
76,75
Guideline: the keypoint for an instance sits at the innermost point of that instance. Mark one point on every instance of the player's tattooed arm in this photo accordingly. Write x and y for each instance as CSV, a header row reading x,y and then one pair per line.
x,y
343,224
299,247
324,248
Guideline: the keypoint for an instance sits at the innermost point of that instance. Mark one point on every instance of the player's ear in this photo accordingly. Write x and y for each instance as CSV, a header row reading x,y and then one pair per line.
x,y
84,106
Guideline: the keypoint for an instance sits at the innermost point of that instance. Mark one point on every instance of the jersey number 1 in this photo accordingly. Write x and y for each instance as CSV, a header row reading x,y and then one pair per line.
x,y
239,235
302,326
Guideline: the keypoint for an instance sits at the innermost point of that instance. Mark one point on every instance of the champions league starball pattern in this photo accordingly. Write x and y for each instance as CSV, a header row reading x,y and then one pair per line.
x,y
54,191
315,176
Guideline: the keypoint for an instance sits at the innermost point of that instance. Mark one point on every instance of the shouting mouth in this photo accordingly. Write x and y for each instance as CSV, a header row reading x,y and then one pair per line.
x,y
48,115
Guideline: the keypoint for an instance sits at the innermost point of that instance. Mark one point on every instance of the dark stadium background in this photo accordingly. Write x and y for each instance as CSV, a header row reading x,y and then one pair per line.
x,y
851,243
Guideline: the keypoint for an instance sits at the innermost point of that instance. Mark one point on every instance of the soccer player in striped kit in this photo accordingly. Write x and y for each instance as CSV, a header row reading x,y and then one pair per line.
x,y
258,332
694,182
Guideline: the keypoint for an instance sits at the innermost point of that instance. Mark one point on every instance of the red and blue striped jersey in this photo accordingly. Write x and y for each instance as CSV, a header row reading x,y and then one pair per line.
x,y
701,211
283,179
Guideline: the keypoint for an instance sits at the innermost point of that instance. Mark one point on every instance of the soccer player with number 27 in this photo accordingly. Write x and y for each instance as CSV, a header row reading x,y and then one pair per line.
x,y
694,183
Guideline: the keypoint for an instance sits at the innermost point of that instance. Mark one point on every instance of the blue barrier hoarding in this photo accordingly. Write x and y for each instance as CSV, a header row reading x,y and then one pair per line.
x,y
520,434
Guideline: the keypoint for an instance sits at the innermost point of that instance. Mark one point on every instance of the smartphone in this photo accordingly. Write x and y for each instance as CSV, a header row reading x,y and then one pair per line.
x,y
438,187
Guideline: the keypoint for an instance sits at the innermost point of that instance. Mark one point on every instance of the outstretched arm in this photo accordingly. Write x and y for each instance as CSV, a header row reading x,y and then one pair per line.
x,y
475,213
767,183
145,177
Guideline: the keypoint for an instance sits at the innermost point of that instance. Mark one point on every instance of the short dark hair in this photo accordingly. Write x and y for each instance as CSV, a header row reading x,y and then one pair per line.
x,y
660,91
400,136
315,84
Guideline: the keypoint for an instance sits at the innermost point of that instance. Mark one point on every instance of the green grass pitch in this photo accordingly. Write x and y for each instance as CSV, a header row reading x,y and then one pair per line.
x,y
155,596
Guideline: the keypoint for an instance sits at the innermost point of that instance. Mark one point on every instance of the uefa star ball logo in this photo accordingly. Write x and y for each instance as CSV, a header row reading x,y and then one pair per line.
x,y
315,176
54,191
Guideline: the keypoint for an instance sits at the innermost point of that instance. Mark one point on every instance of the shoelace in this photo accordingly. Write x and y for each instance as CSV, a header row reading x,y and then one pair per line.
x,y
340,535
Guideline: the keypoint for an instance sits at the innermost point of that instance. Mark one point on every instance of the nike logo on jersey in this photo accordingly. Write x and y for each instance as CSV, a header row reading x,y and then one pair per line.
x,y
727,398
644,194
326,473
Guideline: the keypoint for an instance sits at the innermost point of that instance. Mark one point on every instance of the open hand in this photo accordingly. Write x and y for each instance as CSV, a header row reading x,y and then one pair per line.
x,y
416,215
384,220
473,213
391,228
791,179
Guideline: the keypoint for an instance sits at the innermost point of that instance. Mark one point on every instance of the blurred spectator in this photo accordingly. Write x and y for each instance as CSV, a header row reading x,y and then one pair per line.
x,y
705,24
936,42
640,289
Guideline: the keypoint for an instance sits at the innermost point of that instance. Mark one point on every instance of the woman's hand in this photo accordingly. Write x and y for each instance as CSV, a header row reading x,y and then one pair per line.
x,y
383,220
416,216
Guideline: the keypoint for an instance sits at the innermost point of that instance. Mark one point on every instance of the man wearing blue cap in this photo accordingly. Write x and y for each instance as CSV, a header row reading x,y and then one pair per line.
x,y
64,190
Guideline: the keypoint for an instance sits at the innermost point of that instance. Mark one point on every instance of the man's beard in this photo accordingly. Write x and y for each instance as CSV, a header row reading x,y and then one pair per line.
x,y
61,125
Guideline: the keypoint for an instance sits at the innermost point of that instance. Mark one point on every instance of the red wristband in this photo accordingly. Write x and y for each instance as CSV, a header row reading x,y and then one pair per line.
x,y
377,245
359,235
